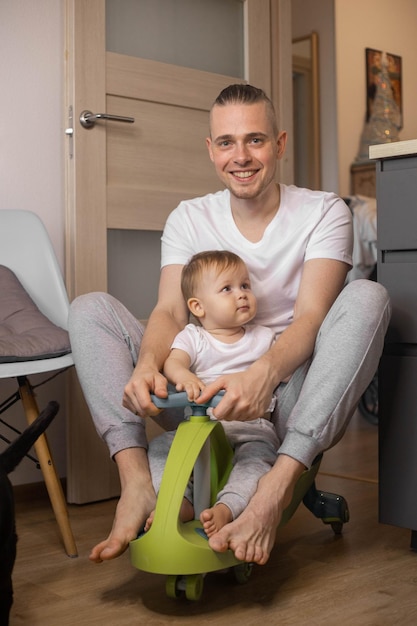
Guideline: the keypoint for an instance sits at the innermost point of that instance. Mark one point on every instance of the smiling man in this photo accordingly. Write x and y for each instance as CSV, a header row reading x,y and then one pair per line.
x,y
297,245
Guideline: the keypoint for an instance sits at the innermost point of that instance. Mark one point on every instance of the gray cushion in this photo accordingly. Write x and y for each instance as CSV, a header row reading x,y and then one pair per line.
x,y
25,333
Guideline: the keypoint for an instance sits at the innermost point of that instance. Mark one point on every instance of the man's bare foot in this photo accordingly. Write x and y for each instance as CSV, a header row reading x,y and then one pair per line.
x,y
215,518
247,536
251,535
136,501
131,511
186,514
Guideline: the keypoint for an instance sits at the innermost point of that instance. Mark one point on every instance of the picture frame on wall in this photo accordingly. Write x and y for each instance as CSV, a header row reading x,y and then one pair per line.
x,y
373,76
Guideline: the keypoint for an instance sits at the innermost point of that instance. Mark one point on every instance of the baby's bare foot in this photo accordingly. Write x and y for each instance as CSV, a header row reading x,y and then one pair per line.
x,y
215,518
149,521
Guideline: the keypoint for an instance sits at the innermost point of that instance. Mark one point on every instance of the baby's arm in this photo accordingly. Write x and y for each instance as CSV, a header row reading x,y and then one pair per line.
x,y
177,371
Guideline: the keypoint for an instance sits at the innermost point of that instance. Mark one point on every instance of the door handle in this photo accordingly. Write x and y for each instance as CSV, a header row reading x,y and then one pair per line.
x,y
89,119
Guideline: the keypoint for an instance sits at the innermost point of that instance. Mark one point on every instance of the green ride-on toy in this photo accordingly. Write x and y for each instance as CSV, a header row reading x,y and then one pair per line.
x,y
180,550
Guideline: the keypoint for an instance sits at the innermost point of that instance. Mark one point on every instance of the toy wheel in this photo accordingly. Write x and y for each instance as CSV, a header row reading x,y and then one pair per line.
x,y
194,586
242,572
171,587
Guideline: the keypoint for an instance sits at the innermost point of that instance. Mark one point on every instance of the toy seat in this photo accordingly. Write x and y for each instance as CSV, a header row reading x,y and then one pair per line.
x,y
33,331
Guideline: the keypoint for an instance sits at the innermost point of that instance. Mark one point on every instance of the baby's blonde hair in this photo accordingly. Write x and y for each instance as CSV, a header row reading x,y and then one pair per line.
x,y
203,261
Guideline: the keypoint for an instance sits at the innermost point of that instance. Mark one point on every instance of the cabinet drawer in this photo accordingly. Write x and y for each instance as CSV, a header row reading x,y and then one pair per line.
x,y
397,204
397,271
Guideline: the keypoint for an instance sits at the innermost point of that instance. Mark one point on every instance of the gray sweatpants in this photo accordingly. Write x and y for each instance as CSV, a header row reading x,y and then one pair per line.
x,y
255,445
313,409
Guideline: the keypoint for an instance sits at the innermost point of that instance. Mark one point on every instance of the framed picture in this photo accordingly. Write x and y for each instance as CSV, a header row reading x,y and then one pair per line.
x,y
373,71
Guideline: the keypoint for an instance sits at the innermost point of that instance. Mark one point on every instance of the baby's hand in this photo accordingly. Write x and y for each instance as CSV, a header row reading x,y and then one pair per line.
x,y
192,387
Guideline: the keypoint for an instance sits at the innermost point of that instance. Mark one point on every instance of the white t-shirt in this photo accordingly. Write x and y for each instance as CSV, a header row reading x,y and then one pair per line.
x,y
210,358
308,225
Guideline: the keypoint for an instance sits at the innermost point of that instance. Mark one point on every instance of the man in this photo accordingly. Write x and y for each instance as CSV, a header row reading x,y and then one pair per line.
x,y
297,245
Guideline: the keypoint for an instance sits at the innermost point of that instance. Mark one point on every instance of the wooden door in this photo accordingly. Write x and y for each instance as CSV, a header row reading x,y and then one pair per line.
x,y
130,176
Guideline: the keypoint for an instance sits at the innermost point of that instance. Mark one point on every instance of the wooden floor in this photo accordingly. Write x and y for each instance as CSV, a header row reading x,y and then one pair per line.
x,y
366,577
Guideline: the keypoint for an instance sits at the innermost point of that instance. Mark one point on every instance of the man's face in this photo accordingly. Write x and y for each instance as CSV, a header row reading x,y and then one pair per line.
x,y
244,148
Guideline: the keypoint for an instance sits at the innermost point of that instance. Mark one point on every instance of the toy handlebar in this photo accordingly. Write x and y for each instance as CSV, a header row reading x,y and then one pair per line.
x,y
180,399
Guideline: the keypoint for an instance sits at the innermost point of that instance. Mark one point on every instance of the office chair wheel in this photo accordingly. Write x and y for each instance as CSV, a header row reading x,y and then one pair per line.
x,y
337,527
329,507
242,572
335,511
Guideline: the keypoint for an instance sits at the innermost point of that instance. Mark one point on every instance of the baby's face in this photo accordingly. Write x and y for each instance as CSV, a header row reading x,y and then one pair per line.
x,y
226,298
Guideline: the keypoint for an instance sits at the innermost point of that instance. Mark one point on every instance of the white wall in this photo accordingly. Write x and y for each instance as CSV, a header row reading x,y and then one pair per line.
x,y
31,157
31,125
383,25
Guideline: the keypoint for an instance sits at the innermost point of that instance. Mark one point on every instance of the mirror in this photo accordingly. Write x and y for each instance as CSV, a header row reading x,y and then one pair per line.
x,y
306,113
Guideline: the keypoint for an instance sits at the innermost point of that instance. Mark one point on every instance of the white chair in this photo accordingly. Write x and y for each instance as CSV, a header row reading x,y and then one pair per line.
x,y
26,249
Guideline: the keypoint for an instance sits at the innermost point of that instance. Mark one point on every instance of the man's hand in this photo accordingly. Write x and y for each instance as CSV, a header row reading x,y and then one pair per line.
x,y
137,393
247,394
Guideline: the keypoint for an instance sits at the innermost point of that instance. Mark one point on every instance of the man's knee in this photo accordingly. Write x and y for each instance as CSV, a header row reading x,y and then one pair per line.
x,y
86,308
367,294
87,303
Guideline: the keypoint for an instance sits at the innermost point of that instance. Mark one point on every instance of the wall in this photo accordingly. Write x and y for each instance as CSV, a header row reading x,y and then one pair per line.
x,y
345,29
31,158
318,15
383,25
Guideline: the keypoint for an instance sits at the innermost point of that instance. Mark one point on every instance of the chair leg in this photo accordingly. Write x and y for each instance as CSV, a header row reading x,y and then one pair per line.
x,y
52,482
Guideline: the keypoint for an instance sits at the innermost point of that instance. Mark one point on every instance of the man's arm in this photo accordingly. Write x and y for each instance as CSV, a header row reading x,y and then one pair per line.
x,y
248,393
168,317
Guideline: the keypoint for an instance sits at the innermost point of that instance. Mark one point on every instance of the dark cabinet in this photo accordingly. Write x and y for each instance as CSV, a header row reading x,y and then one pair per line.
x,y
396,172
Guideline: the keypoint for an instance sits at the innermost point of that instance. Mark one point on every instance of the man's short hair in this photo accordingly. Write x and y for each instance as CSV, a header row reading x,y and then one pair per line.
x,y
242,93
